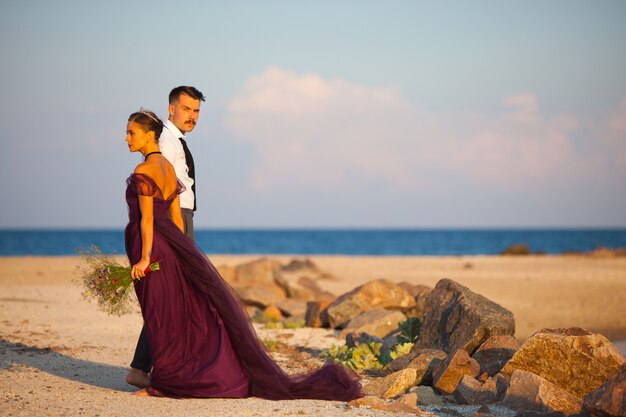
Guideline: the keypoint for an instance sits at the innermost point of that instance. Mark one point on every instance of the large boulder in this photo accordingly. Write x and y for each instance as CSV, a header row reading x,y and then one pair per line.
x,y
380,293
457,318
572,359
378,322
608,399
530,392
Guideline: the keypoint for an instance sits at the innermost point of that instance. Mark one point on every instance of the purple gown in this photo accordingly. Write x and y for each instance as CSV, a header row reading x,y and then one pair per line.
x,y
201,340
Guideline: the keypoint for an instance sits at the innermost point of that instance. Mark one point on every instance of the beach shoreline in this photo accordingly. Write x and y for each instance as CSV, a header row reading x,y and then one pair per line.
x,y
61,355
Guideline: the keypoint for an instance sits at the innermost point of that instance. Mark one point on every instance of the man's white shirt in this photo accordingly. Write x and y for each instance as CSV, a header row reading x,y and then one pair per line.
x,y
172,149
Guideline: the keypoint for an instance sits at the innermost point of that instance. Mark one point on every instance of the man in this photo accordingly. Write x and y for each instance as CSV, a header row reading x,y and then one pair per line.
x,y
184,109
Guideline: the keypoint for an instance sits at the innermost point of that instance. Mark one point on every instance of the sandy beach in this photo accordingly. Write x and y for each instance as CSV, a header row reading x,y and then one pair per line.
x,y
61,356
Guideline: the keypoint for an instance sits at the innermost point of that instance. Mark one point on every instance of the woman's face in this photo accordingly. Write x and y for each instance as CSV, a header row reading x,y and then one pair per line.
x,y
136,137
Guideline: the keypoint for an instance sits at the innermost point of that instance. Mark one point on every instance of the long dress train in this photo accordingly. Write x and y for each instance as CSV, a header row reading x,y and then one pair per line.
x,y
201,340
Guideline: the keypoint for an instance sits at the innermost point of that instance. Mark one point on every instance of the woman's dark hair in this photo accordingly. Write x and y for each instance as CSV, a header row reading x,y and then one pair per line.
x,y
187,90
148,121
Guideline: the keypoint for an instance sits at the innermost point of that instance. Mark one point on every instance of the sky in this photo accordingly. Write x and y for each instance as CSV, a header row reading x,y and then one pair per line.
x,y
324,114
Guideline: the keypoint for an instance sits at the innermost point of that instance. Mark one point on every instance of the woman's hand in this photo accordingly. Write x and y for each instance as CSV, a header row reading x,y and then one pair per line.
x,y
139,269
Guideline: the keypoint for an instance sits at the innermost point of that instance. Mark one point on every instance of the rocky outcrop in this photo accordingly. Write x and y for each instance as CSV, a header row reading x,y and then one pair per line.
x,y
530,392
264,282
379,293
572,359
457,318
609,399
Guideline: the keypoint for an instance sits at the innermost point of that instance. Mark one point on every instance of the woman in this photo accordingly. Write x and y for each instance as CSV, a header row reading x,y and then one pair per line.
x,y
202,342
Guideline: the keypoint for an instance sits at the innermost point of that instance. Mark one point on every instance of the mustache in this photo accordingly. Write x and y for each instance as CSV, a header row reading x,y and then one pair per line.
x,y
193,122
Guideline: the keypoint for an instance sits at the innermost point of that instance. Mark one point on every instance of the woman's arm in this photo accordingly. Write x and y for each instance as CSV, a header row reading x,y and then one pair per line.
x,y
147,236
176,215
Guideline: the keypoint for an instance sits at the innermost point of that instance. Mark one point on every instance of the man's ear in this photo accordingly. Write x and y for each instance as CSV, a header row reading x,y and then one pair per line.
x,y
170,108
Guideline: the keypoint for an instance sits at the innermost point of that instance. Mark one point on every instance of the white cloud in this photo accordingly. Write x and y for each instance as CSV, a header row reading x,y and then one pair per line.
x,y
330,134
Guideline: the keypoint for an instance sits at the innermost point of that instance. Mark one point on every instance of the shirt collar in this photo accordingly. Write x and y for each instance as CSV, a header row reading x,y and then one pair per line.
x,y
172,128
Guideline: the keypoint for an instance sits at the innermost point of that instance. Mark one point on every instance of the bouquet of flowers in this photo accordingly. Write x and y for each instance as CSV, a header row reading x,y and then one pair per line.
x,y
105,280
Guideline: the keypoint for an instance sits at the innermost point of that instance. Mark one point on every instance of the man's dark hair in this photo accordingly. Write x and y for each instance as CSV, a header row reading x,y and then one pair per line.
x,y
187,90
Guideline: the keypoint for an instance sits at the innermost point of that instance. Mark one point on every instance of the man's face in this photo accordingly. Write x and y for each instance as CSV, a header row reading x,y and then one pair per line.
x,y
184,113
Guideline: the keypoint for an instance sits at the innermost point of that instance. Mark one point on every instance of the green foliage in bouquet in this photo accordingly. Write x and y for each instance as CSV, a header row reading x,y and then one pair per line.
x,y
106,281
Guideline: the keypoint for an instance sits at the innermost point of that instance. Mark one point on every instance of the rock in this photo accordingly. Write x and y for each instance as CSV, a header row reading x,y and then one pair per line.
x,y
484,409
517,249
258,296
426,396
377,322
272,313
300,265
419,293
229,273
299,280
290,307
371,401
391,385
449,372
302,287
472,392
530,392
379,293
572,359
457,318
257,281
495,352
405,404
424,361
312,317
252,311
609,399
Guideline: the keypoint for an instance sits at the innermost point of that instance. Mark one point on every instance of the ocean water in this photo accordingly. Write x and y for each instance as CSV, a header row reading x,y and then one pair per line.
x,y
437,242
